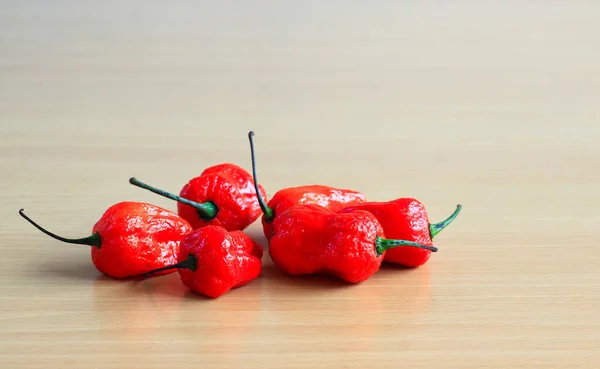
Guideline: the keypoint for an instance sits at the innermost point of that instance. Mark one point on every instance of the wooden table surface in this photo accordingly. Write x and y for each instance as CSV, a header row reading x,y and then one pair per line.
x,y
495,107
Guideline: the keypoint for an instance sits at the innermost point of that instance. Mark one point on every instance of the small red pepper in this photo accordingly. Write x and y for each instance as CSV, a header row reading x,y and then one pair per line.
x,y
222,195
212,261
406,219
310,239
130,238
332,198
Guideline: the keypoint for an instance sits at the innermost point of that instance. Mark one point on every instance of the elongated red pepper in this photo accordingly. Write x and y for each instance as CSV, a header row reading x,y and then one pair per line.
x,y
222,195
331,198
130,238
407,219
310,239
212,261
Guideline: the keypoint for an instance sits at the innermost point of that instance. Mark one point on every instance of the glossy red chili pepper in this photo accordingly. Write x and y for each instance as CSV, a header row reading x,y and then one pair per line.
x,y
406,219
130,238
212,261
331,198
309,239
222,195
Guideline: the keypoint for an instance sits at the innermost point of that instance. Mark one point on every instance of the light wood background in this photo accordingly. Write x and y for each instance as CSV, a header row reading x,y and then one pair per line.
x,y
496,107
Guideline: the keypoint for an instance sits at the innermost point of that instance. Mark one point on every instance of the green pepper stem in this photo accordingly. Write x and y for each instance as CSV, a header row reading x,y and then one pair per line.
x,y
437,227
267,211
93,240
190,263
383,244
206,211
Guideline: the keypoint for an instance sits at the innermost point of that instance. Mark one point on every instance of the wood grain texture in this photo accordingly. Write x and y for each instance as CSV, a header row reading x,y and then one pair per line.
x,y
494,106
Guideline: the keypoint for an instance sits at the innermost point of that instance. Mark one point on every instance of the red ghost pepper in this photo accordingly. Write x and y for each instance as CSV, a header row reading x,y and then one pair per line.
x,y
310,239
130,238
406,219
222,195
212,261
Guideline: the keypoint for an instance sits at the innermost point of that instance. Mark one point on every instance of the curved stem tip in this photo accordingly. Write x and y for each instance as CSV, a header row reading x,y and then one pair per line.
x,y
93,240
437,227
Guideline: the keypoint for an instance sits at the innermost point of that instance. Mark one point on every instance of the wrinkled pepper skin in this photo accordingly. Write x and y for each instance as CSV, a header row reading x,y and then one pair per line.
x,y
222,260
137,237
311,239
231,189
407,219
132,237
328,197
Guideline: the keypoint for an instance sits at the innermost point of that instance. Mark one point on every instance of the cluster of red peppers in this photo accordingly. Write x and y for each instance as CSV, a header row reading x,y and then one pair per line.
x,y
311,229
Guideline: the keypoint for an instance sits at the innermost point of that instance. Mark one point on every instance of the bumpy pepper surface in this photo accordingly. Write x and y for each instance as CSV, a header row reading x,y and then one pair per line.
x,y
310,239
131,237
212,261
406,219
328,197
223,195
